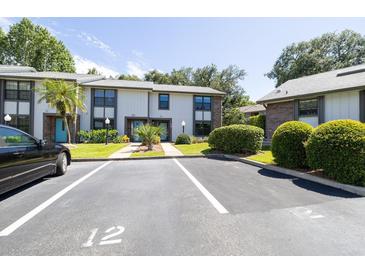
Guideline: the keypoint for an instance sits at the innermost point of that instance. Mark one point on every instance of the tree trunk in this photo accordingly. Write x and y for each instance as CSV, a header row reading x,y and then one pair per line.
x,y
74,133
68,130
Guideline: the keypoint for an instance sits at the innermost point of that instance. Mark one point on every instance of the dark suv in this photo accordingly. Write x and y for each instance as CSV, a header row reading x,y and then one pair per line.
x,y
23,158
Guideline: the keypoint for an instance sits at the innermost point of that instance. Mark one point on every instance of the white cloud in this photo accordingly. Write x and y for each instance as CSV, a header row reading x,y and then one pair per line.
x,y
138,54
96,42
135,68
83,65
5,23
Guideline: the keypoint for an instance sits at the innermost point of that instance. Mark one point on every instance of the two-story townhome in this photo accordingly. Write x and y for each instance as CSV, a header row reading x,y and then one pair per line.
x,y
127,104
315,99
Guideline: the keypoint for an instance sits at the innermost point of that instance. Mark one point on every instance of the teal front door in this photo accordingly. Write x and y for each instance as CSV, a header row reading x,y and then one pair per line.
x,y
61,134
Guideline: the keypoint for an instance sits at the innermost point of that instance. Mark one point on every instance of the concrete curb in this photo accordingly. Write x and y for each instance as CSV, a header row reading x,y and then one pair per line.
x,y
349,188
214,156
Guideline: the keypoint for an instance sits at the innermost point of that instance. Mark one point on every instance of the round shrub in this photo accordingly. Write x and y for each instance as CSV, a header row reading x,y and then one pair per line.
x,y
288,144
338,147
257,120
236,139
183,139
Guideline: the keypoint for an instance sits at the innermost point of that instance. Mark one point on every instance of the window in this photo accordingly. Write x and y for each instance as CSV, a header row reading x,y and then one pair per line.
x,y
104,103
17,90
308,107
17,103
104,98
203,128
99,123
109,98
202,103
163,101
206,103
11,137
99,98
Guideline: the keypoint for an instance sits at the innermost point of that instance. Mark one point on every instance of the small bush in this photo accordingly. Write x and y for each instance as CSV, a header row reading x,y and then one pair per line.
x,y
156,140
338,147
288,144
236,139
257,121
96,136
198,140
149,134
183,139
121,139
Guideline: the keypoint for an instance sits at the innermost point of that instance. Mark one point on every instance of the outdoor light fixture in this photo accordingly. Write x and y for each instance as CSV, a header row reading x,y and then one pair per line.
x,y
7,119
107,122
183,125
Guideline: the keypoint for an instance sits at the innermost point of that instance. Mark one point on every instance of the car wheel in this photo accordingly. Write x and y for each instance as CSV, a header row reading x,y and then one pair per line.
x,y
61,164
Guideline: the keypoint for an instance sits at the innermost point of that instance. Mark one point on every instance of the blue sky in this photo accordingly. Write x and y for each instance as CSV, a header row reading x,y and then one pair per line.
x,y
136,45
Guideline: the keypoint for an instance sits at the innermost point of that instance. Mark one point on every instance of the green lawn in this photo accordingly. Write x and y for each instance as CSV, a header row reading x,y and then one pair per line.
x,y
194,149
148,154
95,150
263,157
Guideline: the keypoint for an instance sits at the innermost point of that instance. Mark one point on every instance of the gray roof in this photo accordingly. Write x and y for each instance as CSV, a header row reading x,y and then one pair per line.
x,y
252,108
100,81
113,83
12,68
79,78
187,89
336,80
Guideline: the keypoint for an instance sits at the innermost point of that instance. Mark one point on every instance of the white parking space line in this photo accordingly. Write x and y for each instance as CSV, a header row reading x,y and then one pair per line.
x,y
203,190
11,228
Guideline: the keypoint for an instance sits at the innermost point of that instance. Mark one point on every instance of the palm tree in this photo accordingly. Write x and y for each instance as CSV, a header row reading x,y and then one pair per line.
x,y
66,98
148,134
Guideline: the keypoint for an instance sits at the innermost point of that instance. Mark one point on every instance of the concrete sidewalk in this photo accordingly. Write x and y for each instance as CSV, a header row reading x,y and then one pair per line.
x,y
125,152
170,150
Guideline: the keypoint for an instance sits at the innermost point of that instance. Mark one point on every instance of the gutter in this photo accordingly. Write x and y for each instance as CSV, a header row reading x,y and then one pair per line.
x,y
308,95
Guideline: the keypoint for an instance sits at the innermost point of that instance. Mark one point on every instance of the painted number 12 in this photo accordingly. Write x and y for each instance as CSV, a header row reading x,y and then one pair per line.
x,y
108,239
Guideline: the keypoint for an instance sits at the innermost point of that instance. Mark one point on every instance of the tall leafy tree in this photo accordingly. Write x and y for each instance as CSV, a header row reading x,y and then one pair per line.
x,y
2,46
93,71
327,52
233,116
129,77
183,76
66,98
157,77
227,80
32,45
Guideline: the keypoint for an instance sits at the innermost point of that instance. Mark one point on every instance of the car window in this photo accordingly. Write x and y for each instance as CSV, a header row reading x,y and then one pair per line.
x,y
11,137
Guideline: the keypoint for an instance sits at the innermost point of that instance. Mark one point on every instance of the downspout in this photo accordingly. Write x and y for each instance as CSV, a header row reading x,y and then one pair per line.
x,y
148,107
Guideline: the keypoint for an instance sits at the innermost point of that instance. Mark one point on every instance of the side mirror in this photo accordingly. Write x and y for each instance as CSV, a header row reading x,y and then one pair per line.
x,y
41,143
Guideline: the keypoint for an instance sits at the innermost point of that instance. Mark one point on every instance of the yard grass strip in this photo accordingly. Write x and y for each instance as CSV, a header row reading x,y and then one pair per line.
x,y
263,157
94,151
194,149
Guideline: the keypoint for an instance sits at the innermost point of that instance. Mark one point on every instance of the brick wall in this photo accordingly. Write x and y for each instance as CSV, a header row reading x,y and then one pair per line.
x,y
276,114
217,112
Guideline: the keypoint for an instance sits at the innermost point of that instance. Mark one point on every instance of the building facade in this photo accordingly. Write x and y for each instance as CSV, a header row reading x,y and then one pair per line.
x,y
315,99
127,104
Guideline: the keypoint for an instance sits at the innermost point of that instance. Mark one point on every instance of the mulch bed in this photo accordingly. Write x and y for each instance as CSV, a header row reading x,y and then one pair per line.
x,y
143,149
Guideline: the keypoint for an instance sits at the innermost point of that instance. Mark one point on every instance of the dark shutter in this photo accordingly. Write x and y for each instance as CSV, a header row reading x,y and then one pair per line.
x,y
362,106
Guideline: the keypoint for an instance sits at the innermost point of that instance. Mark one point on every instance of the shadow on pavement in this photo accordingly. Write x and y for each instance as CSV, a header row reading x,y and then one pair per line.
x,y
308,185
17,190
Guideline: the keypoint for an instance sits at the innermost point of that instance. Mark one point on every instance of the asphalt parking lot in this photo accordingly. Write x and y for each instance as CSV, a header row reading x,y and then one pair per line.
x,y
179,207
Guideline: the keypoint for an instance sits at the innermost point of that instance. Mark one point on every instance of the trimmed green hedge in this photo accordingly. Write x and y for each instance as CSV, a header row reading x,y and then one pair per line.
x,y
183,139
96,136
338,147
236,139
288,144
257,121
